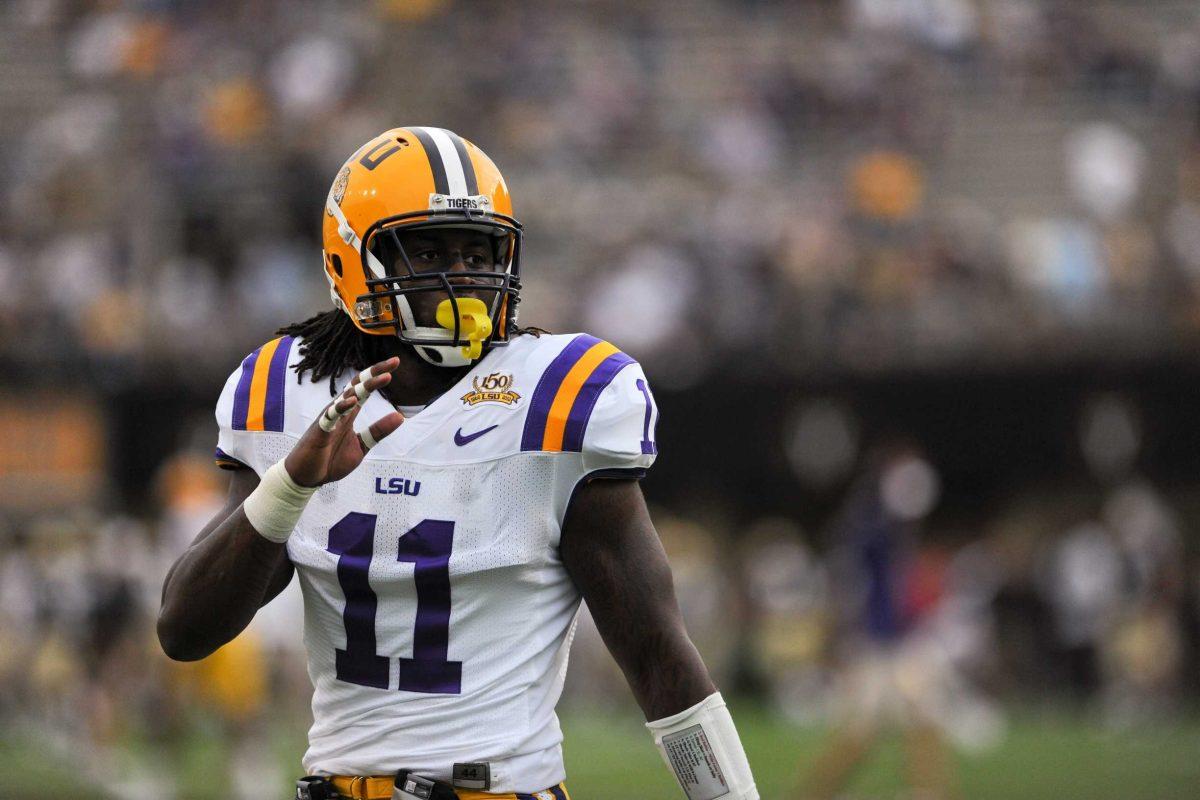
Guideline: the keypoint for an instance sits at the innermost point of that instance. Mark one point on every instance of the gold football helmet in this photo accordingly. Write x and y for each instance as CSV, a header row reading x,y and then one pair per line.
x,y
409,179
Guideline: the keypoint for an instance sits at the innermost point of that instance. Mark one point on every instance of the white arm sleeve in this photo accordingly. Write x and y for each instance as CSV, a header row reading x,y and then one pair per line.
x,y
702,749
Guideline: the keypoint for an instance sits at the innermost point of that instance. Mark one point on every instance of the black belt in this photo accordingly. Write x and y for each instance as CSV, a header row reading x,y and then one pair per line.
x,y
406,786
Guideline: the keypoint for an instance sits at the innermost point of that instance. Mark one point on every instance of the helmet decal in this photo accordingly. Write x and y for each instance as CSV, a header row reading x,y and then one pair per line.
x,y
373,157
339,185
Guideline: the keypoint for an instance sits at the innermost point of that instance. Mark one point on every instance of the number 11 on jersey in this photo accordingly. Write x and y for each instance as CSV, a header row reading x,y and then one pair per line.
x,y
427,546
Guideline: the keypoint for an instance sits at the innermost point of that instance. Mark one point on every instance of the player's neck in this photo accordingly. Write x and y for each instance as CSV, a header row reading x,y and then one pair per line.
x,y
416,382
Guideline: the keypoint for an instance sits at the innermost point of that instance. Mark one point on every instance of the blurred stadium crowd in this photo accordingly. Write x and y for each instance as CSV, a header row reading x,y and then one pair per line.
x,y
850,184
727,189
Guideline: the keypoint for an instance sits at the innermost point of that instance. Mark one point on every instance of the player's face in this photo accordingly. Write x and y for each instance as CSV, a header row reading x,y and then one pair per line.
x,y
449,250
446,250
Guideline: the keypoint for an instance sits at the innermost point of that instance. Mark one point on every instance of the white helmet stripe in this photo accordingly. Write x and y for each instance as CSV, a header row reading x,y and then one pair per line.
x,y
455,176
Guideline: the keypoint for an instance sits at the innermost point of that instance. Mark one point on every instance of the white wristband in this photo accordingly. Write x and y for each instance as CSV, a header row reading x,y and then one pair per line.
x,y
275,506
702,749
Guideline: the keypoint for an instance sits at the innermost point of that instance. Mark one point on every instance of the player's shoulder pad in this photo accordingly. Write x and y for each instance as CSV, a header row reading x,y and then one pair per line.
x,y
258,397
593,399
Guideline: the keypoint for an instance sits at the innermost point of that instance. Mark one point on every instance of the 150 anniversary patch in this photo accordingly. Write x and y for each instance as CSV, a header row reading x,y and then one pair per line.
x,y
491,389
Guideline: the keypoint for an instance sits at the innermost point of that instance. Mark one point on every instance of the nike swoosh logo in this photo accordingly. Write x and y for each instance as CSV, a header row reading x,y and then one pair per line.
x,y
460,440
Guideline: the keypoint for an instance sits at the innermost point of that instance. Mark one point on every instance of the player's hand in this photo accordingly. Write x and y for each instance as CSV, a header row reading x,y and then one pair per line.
x,y
330,449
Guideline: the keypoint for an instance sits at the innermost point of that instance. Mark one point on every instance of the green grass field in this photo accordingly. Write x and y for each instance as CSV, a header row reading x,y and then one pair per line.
x,y
611,758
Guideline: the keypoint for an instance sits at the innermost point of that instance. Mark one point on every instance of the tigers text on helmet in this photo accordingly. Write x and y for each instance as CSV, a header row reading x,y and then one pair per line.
x,y
422,179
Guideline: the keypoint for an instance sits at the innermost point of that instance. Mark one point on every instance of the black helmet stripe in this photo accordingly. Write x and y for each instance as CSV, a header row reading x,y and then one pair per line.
x,y
467,167
453,172
441,183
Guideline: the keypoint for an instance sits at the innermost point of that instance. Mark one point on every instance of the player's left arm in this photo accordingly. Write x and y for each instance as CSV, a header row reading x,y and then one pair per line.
x,y
612,552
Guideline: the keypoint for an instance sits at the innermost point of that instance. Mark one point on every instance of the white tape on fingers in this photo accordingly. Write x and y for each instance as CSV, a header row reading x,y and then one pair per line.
x,y
365,375
329,418
368,440
360,390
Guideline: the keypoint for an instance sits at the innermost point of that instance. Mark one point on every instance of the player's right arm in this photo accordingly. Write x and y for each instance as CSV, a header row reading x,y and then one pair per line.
x,y
239,561
610,549
213,590
612,552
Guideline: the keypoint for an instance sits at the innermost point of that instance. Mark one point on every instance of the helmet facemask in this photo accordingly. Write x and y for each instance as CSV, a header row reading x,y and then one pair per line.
x,y
450,317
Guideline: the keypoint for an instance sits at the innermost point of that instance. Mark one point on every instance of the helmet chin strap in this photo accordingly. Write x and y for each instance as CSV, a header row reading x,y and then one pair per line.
x,y
440,355
474,325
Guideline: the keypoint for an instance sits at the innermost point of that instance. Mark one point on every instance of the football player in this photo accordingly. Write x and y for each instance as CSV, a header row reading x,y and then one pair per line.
x,y
447,510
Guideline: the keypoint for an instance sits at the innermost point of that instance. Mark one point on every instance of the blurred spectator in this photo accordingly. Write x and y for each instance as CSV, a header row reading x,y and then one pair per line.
x,y
1084,585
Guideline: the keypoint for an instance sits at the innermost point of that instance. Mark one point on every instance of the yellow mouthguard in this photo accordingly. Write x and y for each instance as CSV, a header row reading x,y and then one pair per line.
x,y
474,323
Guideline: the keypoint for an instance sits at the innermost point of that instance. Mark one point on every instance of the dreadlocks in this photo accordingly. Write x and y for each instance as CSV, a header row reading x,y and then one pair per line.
x,y
332,344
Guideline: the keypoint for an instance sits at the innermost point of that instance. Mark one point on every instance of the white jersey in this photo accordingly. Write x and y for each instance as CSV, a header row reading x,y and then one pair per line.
x,y
438,613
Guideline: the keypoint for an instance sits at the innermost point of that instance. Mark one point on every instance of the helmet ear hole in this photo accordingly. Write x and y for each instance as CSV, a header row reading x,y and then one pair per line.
x,y
434,355
336,262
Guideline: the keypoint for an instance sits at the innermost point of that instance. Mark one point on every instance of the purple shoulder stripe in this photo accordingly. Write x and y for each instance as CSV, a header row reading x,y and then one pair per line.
x,y
277,386
543,396
585,401
241,395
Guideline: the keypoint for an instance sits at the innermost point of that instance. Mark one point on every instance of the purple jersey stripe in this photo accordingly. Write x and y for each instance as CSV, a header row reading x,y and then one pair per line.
x,y
649,448
241,395
558,792
547,388
276,384
585,401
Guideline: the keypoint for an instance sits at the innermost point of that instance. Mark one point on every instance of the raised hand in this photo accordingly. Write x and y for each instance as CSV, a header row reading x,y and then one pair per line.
x,y
330,449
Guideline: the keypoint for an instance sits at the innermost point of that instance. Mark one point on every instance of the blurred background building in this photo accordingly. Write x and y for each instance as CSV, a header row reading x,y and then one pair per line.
x,y
826,228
